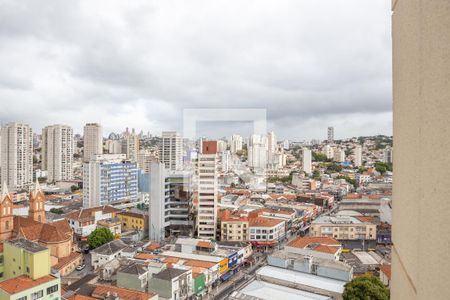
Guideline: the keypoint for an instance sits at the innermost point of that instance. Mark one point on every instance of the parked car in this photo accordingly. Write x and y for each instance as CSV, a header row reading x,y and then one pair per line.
x,y
81,267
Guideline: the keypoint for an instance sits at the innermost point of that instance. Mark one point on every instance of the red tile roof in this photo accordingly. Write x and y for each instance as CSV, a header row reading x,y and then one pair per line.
x,y
87,214
21,283
44,232
62,262
203,244
263,222
302,242
123,294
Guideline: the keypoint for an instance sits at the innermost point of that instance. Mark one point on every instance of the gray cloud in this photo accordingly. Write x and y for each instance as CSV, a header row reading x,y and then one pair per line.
x,y
138,64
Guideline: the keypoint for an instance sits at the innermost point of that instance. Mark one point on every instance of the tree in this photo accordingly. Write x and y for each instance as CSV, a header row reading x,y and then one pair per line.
x,y
74,188
99,237
317,156
383,167
365,287
57,211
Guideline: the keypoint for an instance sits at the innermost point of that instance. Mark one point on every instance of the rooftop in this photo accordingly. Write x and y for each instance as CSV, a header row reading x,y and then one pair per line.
x,y
169,273
318,282
331,263
123,294
22,283
110,248
27,245
134,268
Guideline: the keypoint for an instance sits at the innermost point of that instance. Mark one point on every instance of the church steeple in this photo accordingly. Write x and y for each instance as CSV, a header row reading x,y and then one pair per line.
x,y
37,200
6,214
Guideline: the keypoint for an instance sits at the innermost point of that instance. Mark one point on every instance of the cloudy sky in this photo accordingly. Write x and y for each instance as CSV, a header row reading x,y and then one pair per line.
x,y
309,63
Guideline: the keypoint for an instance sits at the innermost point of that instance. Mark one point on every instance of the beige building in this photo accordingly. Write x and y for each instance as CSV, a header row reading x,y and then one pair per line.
x,y
57,152
92,140
234,229
343,228
421,86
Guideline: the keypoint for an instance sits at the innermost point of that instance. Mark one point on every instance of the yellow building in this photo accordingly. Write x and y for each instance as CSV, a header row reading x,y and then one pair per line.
x,y
133,221
234,229
23,257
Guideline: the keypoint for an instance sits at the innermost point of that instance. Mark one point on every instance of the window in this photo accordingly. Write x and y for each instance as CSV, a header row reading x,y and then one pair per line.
x,y
37,295
22,298
52,289
1,274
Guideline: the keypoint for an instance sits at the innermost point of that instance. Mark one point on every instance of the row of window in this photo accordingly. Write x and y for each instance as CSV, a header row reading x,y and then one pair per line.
x,y
40,294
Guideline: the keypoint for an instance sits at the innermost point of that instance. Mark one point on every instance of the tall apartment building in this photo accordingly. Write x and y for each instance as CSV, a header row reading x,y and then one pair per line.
x,y
113,146
170,206
357,156
130,145
387,155
109,179
271,147
207,191
57,152
307,168
257,152
330,133
145,158
17,155
92,140
235,143
329,151
421,72
171,150
339,155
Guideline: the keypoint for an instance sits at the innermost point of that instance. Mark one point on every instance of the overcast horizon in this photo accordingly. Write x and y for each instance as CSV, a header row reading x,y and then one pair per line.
x,y
310,64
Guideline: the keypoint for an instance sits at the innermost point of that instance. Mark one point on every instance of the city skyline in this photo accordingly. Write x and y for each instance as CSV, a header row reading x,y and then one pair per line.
x,y
122,65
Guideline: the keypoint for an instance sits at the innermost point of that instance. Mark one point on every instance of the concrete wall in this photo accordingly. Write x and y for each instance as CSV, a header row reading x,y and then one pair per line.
x,y
421,90
130,281
161,287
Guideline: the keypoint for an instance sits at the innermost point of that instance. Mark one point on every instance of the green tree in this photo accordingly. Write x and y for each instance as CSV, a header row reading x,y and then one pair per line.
x,y
57,211
317,156
316,174
365,288
383,167
74,188
99,237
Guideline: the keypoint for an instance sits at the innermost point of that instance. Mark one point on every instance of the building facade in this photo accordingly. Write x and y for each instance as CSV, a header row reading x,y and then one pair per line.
x,y
92,140
16,155
109,179
207,191
57,152
171,150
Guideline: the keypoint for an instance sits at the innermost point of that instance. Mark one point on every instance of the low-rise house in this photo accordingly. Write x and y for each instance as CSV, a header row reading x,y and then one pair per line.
x,y
172,284
107,253
85,220
133,221
133,276
322,247
113,224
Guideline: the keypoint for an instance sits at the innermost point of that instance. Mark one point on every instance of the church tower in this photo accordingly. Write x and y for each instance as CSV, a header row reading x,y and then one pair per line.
x,y
37,200
6,214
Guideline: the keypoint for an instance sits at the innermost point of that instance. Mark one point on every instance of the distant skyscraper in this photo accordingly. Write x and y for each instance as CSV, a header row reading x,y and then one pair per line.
x,y
387,155
339,155
207,191
358,156
330,135
57,152
307,168
171,150
17,155
271,147
93,140
109,179
236,143
286,144
130,145
329,151
257,152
